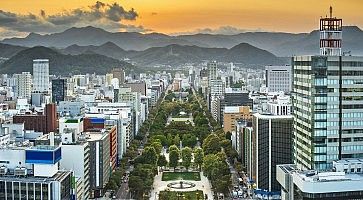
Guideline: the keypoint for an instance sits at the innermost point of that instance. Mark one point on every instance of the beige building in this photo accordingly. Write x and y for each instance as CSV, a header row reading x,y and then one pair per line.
x,y
232,113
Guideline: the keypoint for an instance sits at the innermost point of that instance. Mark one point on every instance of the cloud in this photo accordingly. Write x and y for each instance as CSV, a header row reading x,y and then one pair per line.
x,y
223,30
102,15
10,34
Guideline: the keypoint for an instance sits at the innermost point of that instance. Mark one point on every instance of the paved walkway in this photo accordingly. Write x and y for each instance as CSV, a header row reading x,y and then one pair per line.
x,y
160,185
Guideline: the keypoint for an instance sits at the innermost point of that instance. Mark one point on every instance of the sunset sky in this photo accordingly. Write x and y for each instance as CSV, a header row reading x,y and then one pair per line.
x,y
18,17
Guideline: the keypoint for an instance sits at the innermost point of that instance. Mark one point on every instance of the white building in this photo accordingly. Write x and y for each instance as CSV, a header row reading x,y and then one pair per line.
x,y
279,78
23,84
280,106
212,72
41,75
217,90
75,157
346,182
122,114
32,173
134,98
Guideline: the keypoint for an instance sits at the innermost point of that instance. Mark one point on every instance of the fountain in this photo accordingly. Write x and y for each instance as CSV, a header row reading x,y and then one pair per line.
x,y
181,185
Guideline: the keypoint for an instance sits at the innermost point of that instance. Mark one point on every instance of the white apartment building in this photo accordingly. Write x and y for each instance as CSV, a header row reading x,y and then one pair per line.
x,y
23,84
41,75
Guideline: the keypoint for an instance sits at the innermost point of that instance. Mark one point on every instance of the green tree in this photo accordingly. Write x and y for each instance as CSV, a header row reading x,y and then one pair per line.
x,y
169,139
162,139
186,156
189,140
111,185
173,147
198,157
150,156
162,162
209,164
174,158
211,144
157,146
136,186
176,140
221,186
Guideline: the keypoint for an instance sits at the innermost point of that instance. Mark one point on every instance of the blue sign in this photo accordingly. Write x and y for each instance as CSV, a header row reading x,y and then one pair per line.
x,y
43,156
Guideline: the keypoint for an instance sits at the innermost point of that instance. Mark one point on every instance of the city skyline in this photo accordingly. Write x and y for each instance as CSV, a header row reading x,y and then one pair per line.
x,y
178,17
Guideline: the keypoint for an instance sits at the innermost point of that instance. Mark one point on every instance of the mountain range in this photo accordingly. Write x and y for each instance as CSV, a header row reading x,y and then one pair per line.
x,y
61,64
171,55
280,44
89,49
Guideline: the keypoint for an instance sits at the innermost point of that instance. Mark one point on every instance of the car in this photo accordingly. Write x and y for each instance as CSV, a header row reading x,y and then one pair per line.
x,y
113,197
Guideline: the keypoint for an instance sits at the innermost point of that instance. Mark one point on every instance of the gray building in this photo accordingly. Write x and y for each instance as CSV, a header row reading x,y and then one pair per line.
x,y
100,168
59,90
279,78
139,87
57,187
71,108
327,110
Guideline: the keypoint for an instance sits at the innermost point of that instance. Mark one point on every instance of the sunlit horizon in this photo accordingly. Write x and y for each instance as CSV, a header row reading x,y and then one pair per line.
x,y
184,17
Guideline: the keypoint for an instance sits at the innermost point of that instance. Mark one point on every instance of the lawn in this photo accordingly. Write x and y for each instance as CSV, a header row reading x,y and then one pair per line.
x,y
168,195
171,176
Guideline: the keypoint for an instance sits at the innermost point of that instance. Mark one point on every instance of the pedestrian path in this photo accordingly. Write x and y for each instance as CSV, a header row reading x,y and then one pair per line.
x,y
160,185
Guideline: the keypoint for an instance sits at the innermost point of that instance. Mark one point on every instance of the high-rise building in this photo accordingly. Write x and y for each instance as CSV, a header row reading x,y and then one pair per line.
x,y
212,71
271,145
234,113
242,142
76,157
59,90
122,115
278,78
233,97
23,84
108,80
119,73
217,89
139,87
41,75
327,109
134,99
100,167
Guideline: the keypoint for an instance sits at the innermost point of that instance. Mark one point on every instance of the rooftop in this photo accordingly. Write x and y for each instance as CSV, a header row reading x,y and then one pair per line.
x,y
32,179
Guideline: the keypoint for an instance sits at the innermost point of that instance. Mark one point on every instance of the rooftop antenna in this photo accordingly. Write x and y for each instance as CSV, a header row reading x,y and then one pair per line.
x,y
331,35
